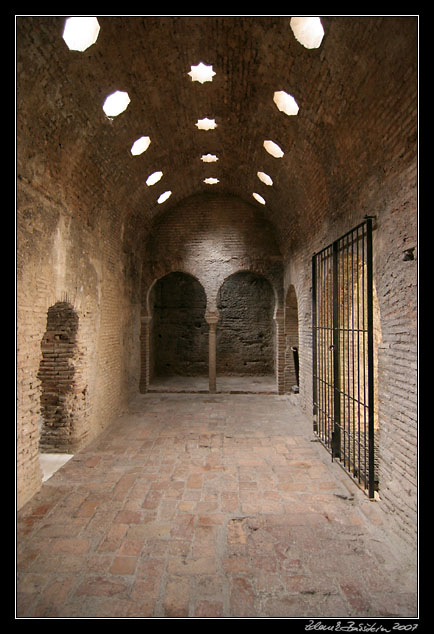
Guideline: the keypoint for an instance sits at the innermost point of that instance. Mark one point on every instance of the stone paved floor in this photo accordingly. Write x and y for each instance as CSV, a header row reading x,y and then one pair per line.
x,y
208,506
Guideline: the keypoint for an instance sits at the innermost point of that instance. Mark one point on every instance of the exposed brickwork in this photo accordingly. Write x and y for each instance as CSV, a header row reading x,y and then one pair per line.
x,y
58,381
245,334
212,237
90,232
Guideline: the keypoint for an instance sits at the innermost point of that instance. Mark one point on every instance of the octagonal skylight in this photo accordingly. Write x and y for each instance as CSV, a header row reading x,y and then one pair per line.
x,y
308,31
286,103
140,145
164,196
154,178
116,103
273,149
264,178
211,181
259,198
209,158
206,124
201,73
80,32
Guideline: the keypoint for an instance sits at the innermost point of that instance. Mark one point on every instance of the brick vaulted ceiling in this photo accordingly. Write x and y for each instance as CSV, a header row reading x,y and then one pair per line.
x,y
352,94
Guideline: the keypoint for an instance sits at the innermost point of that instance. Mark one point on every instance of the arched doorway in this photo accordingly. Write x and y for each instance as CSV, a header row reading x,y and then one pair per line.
x,y
246,330
178,332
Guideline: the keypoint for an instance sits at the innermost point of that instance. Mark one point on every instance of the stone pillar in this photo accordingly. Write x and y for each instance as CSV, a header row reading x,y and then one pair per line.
x,y
144,353
279,319
212,319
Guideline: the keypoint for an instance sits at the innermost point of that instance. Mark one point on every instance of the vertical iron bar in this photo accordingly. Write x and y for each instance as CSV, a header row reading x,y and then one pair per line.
x,y
355,469
358,351
370,356
336,436
343,352
347,330
314,347
365,455
324,346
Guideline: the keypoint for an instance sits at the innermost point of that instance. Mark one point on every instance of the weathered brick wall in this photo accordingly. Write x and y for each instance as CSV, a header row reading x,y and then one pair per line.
x,y
245,333
395,324
83,208
211,237
59,261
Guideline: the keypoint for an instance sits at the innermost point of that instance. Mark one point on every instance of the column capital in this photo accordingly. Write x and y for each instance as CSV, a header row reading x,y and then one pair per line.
x,y
145,319
212,317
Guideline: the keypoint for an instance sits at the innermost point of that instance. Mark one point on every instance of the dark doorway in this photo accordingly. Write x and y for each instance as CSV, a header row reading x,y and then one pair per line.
x,y
179,332
245,331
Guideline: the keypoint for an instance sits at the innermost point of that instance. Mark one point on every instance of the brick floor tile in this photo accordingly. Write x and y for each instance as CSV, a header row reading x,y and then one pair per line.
x,y
208,609
112,541
197,509
87,509
177,598
70,545
123,565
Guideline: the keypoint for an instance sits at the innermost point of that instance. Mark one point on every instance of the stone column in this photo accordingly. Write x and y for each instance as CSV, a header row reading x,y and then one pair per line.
x,y
212,319
279,318
144,353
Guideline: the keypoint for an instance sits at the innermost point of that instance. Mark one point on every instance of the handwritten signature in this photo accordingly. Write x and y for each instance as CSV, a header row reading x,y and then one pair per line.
x,y
352,626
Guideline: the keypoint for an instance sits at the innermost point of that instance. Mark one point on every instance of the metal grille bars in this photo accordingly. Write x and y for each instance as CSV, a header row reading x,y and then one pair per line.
x,y
343,359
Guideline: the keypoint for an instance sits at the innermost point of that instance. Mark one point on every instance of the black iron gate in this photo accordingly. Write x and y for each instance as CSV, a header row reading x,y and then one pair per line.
x,y
343,360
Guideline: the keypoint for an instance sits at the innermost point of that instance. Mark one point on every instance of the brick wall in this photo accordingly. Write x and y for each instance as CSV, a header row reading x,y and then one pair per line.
x,y
83,208
59,262
211,237
395,324
245,332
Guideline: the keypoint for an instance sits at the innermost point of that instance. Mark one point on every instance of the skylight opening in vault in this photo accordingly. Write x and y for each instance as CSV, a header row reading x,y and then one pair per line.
x,y
140,145
164,196
206,124
273,149
259,198
285,103
116,103
201,73
211,181
308,31
80,32
264,178
209,158
154,178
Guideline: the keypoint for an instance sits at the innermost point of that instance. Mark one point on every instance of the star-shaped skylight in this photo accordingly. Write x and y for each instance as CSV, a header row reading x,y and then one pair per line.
x,y
80,32
164,196
211,181
209,158
206,124
116,103
264,178
259,198
308,31
286,103
140,146
154,178
201,73
273,149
